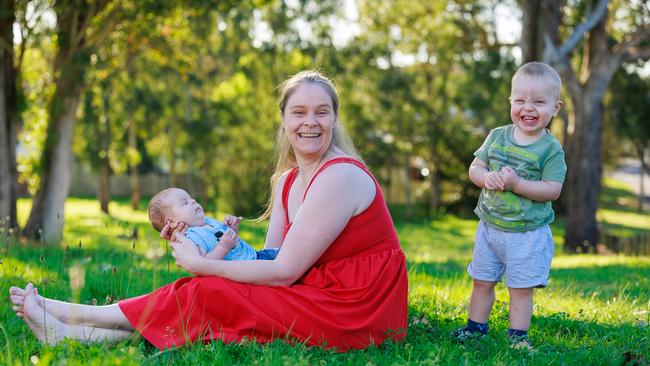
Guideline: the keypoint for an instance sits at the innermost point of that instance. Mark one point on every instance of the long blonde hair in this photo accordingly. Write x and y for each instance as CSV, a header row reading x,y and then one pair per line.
x,y
285,157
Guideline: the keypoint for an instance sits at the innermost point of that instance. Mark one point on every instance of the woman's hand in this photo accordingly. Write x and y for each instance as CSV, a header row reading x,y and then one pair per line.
x,y
172,228
185,253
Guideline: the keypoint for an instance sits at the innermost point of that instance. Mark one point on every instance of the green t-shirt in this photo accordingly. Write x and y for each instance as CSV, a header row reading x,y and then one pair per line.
x,y
541,160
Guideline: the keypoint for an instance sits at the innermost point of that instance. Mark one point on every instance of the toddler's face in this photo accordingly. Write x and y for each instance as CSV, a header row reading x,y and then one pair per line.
x,y
183,208
533,103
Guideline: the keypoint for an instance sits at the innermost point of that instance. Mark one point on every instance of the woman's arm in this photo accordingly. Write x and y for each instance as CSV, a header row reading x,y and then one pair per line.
x,y
337,194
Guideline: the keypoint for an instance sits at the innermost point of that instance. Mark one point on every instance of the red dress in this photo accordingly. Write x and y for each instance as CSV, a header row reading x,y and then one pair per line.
x,y
354,296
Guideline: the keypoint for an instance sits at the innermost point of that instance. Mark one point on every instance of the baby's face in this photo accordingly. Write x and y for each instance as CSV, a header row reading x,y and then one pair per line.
x,y
183,208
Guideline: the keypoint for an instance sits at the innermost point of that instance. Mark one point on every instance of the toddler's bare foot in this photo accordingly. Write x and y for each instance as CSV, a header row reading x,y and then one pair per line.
x,y
45,327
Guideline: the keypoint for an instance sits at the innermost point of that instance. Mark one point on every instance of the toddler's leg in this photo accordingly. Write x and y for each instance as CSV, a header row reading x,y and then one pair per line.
x,y
521,308
482,300
480,306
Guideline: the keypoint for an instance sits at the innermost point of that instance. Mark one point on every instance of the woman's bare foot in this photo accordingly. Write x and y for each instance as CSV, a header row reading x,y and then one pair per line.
x,y
55,308
45,327
17,298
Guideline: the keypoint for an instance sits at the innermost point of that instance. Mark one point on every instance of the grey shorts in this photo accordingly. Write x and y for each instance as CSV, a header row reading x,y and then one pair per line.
x,y
525,258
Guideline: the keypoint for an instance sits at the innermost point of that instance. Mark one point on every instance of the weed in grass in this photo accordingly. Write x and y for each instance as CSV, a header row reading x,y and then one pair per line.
x,y
595,311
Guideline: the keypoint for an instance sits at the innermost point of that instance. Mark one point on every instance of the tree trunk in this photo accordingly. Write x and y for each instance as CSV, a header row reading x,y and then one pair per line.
x,y
537,15
5,177
641,154
133,168
104,130
434,174
46,217
9,121
408,191
104,186
531,39
601,57
45,220
584,172
434,133
584,137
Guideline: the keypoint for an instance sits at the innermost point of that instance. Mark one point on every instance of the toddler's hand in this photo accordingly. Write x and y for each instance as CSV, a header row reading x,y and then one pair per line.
x,y
510,177
233,222
228,239
493,181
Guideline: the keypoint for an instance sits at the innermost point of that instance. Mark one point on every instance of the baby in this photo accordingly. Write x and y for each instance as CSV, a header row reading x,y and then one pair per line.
x,y
215,240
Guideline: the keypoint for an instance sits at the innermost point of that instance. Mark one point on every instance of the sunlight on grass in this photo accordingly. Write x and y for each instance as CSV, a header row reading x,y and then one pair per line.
x,y
595,308
629,220
588,260
17,270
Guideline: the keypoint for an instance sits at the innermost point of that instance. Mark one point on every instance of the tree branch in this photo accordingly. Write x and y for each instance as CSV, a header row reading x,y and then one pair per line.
x,y
637,53
578,33
628,48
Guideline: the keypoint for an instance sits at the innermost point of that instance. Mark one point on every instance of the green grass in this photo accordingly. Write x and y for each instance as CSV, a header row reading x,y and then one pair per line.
x,y
596,310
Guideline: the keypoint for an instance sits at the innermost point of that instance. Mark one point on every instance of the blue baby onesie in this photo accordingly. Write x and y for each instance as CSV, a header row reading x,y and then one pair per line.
x,y
205,238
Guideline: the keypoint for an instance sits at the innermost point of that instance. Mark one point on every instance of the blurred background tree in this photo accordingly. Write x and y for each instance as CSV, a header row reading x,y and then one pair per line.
x,y
176,93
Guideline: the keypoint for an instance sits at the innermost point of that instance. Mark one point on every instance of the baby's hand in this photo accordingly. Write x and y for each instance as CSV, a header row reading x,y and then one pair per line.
x,y
228,239
493,181
233,222
510,177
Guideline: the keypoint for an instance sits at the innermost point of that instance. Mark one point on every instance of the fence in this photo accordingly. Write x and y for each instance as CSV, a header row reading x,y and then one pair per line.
x,y
636,245
86,183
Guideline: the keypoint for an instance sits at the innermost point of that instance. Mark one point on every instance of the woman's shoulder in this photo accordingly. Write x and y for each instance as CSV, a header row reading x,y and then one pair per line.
x,y
348,171
349,181
283,177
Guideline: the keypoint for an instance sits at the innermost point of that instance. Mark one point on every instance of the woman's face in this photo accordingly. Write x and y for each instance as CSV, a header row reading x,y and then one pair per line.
x,y
309,119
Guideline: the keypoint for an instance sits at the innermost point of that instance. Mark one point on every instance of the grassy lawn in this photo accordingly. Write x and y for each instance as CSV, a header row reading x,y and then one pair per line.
x,y
596,309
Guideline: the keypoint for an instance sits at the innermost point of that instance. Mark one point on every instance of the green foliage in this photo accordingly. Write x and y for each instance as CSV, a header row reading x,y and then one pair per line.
x,y
421,83
630,104
595,310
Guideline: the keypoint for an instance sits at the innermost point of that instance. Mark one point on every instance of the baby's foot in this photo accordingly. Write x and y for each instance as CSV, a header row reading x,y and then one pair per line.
x,y
45,327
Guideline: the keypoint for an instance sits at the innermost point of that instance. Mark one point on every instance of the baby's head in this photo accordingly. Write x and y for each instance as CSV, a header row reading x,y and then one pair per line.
x,y
173,205
535,96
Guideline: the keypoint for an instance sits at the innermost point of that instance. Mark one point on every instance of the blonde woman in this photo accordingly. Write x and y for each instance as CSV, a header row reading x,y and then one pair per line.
x,y
340,280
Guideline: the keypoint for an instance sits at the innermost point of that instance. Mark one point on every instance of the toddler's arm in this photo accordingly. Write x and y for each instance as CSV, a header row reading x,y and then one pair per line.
x,y
224,245
482,177
536,190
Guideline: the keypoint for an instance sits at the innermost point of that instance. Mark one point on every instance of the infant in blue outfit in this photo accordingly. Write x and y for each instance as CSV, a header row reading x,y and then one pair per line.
x,y
215,239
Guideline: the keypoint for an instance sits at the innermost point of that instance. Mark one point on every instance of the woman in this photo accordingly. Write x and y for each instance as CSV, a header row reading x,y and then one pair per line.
x,y
340,278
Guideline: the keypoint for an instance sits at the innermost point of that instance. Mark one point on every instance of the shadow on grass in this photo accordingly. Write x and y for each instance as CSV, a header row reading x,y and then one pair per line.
x,y
557,338
605,281
618,199
447,269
